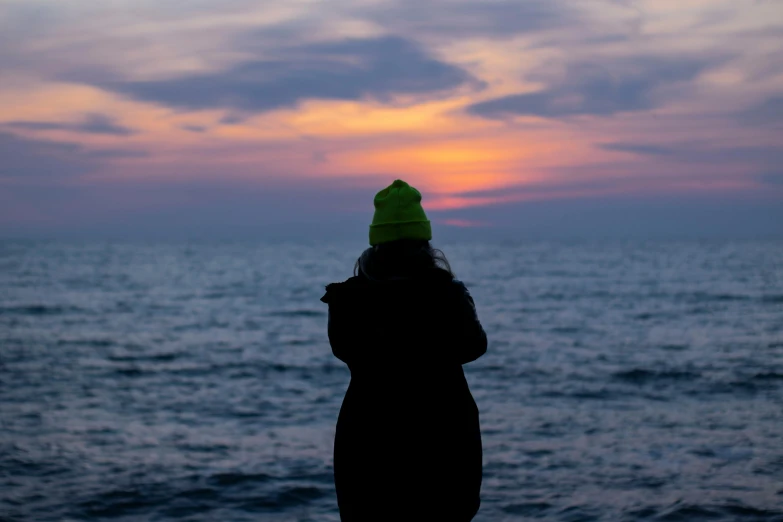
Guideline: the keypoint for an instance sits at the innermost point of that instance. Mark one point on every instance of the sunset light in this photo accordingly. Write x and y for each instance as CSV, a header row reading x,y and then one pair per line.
x,y
480,107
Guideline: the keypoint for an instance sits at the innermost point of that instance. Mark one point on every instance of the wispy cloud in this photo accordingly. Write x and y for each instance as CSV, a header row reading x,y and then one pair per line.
x,y
352,69
601,88
754,156
468,18
26,158
89,124
772,178
767,112
194,128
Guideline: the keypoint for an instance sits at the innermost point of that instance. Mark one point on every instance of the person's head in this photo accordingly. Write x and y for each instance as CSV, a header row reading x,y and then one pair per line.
x,y
400,259
400,236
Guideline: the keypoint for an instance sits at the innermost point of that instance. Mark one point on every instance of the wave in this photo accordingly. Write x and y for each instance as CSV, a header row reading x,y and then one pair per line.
x,y
161,357
758,382
233,479
745,385
701,297
39,310
284,498
767,376
297,313
528,509
95,343
674,347
681,512
129,372
599,394
644,376
249,492
123,502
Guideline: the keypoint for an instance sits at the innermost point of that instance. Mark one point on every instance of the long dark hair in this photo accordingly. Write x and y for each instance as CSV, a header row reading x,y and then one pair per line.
x,y
401,259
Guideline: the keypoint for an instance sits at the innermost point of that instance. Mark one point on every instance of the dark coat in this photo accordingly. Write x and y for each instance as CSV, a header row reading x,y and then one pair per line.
x,y
408,444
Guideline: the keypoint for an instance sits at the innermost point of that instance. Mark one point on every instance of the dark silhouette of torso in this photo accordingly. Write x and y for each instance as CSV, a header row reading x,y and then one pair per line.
x,y
408,443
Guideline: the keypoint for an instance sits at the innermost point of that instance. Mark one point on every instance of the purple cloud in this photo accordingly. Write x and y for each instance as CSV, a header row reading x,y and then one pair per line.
x,y
601,89
92,123
347,70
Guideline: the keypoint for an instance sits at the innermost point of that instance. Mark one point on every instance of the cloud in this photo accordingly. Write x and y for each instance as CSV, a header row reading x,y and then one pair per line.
x,y
548,189
347,70
771,178
28,158
642,149
149,208
92,123
24,157
601,89
463,19
114,154
194,128
699,153
768,112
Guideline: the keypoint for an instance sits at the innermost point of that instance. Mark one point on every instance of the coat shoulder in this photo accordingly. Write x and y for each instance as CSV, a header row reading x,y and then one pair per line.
x,y
335,290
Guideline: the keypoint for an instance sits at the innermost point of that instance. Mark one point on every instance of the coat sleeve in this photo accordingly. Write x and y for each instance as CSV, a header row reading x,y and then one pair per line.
x,y
470,339
340,338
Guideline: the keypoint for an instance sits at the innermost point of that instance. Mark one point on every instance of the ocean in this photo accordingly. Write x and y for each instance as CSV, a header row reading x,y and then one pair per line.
x,y
194,381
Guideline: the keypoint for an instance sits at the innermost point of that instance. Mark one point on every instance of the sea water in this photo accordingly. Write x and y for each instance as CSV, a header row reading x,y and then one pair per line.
x,y
194,381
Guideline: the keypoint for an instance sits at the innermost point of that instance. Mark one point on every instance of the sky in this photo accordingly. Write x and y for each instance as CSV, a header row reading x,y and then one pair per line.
x,y
514,118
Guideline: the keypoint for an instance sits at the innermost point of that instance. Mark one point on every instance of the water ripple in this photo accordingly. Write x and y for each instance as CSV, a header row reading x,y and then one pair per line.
x,y
627,382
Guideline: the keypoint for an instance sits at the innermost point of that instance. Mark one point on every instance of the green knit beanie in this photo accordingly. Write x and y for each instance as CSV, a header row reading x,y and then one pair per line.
x,y
399,215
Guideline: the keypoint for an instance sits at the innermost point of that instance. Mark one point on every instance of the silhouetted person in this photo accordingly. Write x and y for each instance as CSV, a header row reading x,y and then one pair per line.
x,y
408,444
